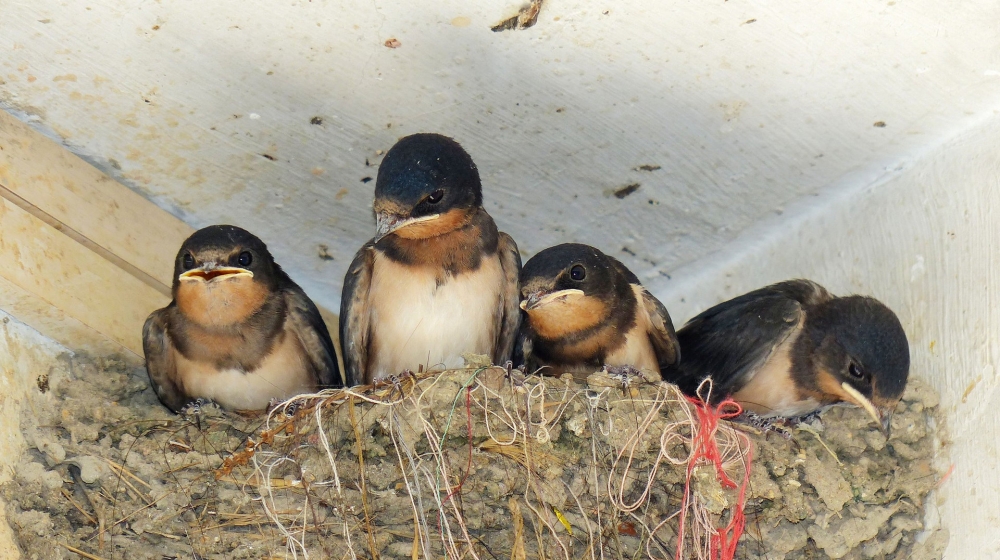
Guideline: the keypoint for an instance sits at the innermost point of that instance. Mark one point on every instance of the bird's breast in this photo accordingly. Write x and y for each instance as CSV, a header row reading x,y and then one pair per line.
x,y
282,373
420,318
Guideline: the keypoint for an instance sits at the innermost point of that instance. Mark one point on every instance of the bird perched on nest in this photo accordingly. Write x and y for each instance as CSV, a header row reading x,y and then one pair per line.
x,y
584,309
438,280
239,331
791,348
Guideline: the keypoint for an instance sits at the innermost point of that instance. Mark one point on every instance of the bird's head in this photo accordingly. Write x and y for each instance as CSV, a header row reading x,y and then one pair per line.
x,y
572,287
222,274
427,185
862,353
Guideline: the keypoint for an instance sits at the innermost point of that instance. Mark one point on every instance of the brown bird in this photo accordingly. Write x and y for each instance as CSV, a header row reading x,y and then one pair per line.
x,y
438,280
792,348
584,309
238,331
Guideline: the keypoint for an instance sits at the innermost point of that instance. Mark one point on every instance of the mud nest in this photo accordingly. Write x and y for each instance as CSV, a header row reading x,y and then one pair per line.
x,y
474,463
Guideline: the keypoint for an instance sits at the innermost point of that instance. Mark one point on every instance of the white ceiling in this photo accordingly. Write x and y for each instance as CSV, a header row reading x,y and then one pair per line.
x,y
745,106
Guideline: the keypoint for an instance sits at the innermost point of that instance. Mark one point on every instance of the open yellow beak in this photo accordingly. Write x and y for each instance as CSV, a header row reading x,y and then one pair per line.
x,y
208,274
539,299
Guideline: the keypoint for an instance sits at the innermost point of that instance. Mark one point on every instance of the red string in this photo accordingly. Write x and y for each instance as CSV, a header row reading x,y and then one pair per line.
x,y
468,423
722,543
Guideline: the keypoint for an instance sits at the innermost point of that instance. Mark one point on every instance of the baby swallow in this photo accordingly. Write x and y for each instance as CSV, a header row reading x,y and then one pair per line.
x,y
584,309
238,331
438,280
792,348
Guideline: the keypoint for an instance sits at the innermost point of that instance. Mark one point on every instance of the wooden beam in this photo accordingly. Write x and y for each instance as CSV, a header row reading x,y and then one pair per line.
x,y
104,243
68,292
107,217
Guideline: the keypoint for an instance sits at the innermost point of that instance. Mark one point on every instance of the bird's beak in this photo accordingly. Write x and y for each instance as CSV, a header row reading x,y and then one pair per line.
x,y
211,271
539,298
857,398
886,423
387,222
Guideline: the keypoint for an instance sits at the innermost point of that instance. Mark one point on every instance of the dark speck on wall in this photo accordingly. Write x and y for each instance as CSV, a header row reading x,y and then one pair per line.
x,y
365,179
316,121
626,190
268,156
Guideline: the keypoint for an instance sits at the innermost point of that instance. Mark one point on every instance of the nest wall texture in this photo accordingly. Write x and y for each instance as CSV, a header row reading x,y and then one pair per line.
x,y
473,463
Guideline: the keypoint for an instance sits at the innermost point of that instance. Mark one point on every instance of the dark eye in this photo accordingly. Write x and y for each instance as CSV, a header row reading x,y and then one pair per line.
x,y
855,371
436,196
244,259
577,273
188,261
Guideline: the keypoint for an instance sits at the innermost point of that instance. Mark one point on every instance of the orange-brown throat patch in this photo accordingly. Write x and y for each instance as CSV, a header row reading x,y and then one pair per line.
x,y
445,223
561,317
221,302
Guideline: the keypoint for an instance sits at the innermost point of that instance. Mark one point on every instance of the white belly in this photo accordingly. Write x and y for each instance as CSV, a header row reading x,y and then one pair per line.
x,y
415,323
282,375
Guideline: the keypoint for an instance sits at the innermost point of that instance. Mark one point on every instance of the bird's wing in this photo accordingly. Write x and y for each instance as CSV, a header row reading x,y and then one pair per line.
x,y
160,364
523,345
662,334
306,322
354,315
731,341
510,312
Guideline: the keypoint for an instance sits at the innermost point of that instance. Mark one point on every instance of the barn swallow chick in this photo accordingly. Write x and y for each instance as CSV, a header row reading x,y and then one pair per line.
x,y
238,331
437,280
584,309
792,348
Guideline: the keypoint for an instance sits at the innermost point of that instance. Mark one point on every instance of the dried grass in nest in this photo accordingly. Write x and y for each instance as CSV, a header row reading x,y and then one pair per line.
x,y
477,463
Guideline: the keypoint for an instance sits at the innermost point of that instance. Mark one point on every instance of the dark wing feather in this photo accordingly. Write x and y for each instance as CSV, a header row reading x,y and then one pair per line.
x,y
354,316
523,345
306,322
160,365
730,341
510,312
663,337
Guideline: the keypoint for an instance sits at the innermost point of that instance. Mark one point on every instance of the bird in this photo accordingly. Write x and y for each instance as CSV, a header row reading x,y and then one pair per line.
x,y
438,280
238,331
791,349
584,309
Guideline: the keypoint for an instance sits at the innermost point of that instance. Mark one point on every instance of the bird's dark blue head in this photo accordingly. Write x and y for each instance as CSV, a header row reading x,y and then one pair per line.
x,y
221,250
572,288
862,344
222,275
573,266
427,185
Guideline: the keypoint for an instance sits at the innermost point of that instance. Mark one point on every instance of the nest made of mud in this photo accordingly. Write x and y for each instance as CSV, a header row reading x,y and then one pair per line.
x,y
473,463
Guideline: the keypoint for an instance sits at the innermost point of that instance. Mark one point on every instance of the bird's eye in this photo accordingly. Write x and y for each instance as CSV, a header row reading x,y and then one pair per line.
x,y
436,196
188,261
855,371
577,273
244,259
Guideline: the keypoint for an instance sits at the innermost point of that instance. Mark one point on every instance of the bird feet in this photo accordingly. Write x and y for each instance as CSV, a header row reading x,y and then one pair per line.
x,y
765,425
624,375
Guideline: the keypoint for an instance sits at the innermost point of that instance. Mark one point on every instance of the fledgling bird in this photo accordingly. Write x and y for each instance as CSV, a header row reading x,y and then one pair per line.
x,y
792,348
437,280
239,331
584,309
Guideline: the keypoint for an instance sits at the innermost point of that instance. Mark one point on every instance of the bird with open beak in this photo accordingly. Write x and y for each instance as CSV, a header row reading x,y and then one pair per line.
x,y
584,310
792,348
438,280
239,331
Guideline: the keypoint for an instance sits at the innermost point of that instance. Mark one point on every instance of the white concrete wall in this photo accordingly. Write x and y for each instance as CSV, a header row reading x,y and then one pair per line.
x,y
760,115
924,237
746,105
